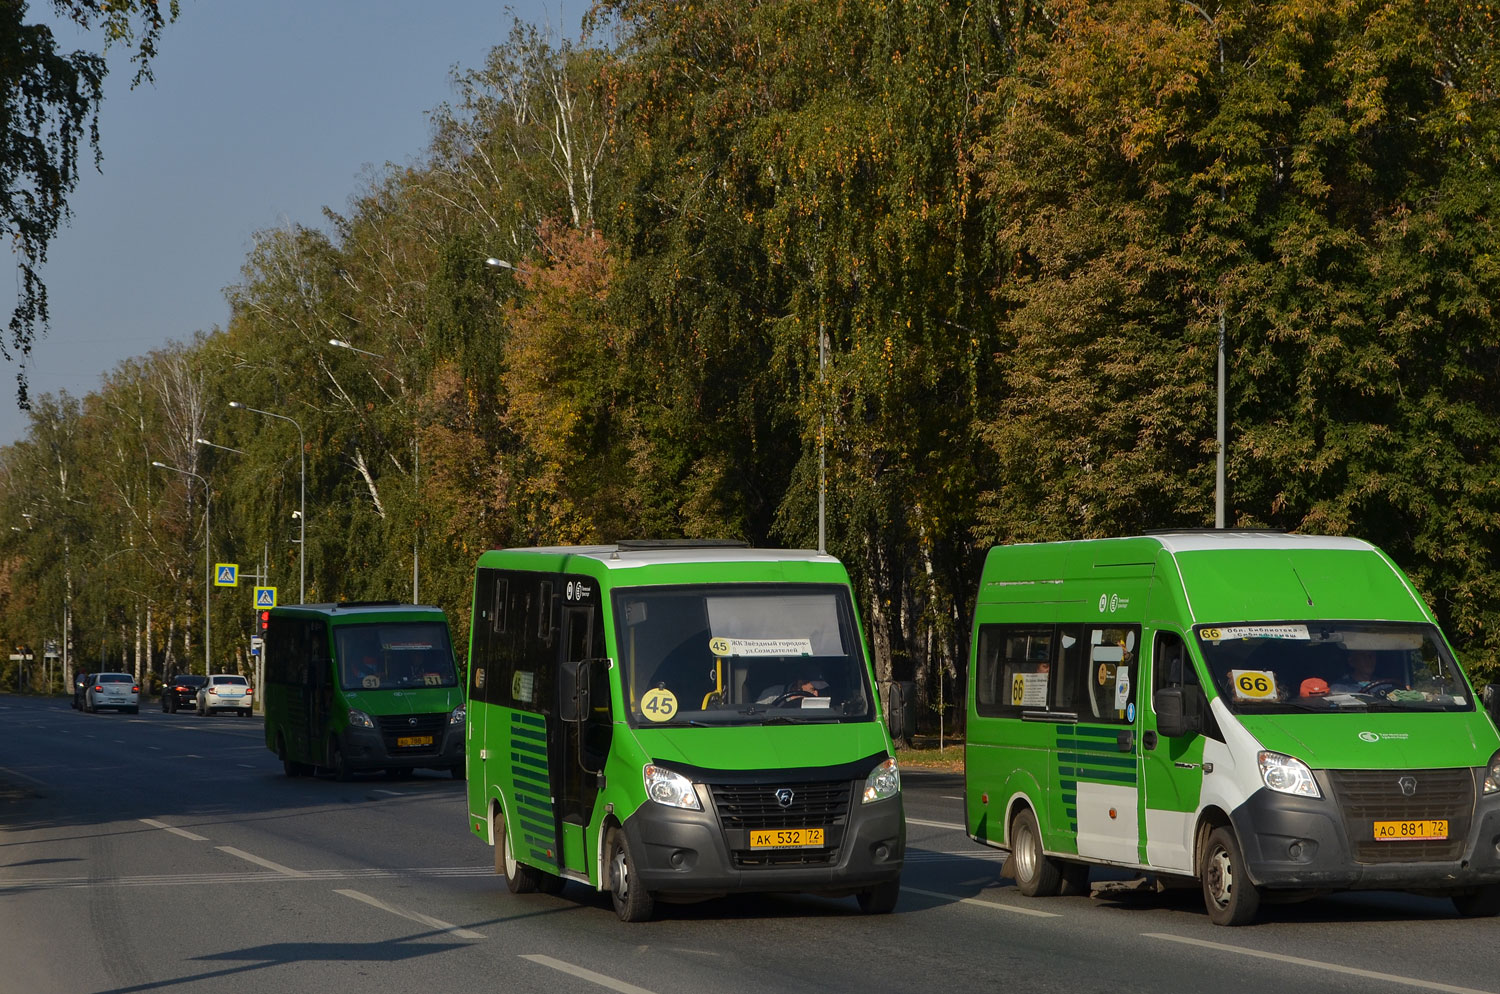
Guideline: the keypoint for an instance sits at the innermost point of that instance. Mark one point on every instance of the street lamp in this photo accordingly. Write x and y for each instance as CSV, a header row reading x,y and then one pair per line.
x,y
208,569
302,516
502,264
416,459
216,445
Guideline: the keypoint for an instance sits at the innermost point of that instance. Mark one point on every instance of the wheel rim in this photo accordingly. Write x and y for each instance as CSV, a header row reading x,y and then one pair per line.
x,y
1025,853
621,874
1220,876
510,857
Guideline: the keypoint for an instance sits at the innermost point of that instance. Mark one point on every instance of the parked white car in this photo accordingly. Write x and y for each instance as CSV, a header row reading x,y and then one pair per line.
x,y
118,691
225,692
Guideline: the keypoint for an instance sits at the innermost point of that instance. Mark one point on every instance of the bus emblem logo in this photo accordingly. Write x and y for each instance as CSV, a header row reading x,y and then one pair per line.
x,y
1408,786
784,797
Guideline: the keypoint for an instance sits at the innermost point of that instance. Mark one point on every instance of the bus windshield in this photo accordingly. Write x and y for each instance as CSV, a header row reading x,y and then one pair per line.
x,y
741,655
392,654
1298,666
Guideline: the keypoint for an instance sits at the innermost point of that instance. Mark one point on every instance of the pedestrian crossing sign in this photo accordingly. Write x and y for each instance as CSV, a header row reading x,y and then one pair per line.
x,y
265,597
226,574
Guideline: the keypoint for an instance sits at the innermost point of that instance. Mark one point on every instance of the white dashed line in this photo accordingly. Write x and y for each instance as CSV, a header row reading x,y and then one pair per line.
x,y
1390,978
589,975
983,904
175,831
285,871
415,916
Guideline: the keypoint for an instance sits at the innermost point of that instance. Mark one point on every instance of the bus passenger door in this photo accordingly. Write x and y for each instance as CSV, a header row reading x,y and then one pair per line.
x,y
1171,766
1102,756
581,762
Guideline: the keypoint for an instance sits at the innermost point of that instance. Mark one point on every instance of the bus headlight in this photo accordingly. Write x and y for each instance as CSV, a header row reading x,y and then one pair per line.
x,y
884,781
1492,776
1287,775
457,715
359,719
670,788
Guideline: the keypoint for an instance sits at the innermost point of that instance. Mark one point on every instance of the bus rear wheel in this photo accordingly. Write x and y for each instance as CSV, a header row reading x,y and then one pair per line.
x,y
1228,894
1037,874
519,878
632,902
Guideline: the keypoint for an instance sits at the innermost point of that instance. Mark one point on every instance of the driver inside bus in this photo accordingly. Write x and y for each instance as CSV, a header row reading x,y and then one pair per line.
x,y
1359,674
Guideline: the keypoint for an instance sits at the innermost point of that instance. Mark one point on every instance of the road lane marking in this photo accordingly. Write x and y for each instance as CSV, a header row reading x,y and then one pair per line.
x,y
245,766
983,904
238,877
935,824
415,916
1390,978
392,793
175,831
17,773
589,975
285,871
932,855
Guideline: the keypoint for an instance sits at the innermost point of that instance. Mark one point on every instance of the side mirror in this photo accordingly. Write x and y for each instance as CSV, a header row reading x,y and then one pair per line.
x,y
1176,714
1491,697
573,691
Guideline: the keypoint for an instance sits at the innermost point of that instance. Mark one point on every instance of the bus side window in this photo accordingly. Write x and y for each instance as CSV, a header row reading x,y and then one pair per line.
x,y
1114,664
1014,669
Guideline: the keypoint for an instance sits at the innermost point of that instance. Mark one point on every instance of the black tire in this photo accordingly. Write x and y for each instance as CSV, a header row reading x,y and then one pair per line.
x,y
1482,902
1037,874
880,899
1075,880
339,764
633,903
1228,894
164,708
289,766
135,710
457,771
519,878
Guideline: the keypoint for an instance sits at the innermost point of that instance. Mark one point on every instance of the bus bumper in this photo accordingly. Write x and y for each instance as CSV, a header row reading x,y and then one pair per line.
x,y
689,854
368,749
1319,843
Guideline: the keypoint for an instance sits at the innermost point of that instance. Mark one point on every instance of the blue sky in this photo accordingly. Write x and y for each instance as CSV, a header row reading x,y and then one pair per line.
x,y
262,113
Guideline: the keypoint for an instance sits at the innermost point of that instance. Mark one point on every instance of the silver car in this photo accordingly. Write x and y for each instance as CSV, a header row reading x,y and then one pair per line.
x,y
112,690
225,692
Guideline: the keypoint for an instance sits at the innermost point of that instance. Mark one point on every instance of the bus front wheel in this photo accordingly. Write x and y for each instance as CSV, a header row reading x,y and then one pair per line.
x,y
1037,874
1228,894
632,902
880,899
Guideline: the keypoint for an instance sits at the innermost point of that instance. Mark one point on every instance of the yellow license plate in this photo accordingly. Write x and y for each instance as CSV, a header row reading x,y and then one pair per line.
x,y
414,740
786,838
1411,831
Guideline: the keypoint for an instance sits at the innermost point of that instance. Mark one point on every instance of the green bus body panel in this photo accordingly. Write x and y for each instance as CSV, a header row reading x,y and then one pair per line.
x,y
530,814
1271,585
1403,741
759,747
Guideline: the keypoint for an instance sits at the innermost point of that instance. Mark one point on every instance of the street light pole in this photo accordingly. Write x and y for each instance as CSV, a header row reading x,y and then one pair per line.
x,y
302,514
208,569
416,457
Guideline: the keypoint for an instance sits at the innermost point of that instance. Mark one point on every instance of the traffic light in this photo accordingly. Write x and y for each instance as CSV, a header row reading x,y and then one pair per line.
x,y
265,621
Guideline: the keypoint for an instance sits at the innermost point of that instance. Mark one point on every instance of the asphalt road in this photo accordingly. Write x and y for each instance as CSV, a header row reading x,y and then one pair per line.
x,y
158,852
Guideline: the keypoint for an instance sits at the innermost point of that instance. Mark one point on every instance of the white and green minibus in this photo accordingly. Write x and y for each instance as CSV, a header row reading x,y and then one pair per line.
x,y
1268,714
669,721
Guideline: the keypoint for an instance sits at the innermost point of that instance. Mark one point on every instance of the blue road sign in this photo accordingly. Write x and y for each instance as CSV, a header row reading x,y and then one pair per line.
x,y
265,597
226,574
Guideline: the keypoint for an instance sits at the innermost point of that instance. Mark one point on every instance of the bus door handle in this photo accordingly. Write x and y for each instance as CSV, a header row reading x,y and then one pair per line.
x,y
1126,741
1148,739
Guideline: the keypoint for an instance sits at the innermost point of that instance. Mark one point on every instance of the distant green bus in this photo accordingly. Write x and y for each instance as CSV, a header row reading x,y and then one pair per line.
x,y
674,721
362,686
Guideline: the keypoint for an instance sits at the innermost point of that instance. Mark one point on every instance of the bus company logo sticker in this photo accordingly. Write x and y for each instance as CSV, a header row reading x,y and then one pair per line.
x,y
578,591
659,704
1383,736
1113,603
1103,603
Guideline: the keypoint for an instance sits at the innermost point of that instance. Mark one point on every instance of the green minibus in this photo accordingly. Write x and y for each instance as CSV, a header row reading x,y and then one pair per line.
x,y
362,686
678,720
1265,714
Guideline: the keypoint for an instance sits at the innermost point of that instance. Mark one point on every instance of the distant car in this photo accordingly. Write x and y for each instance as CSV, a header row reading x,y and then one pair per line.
x,y
118,691
181,692
81,683
225,692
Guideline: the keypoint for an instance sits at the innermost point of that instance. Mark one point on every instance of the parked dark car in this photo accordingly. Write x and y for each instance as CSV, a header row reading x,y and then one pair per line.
x,y
81,683
180,693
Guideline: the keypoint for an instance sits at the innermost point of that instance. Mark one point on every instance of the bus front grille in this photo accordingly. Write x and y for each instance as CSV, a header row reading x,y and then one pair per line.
x,y
394,728
746,808
1368,796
